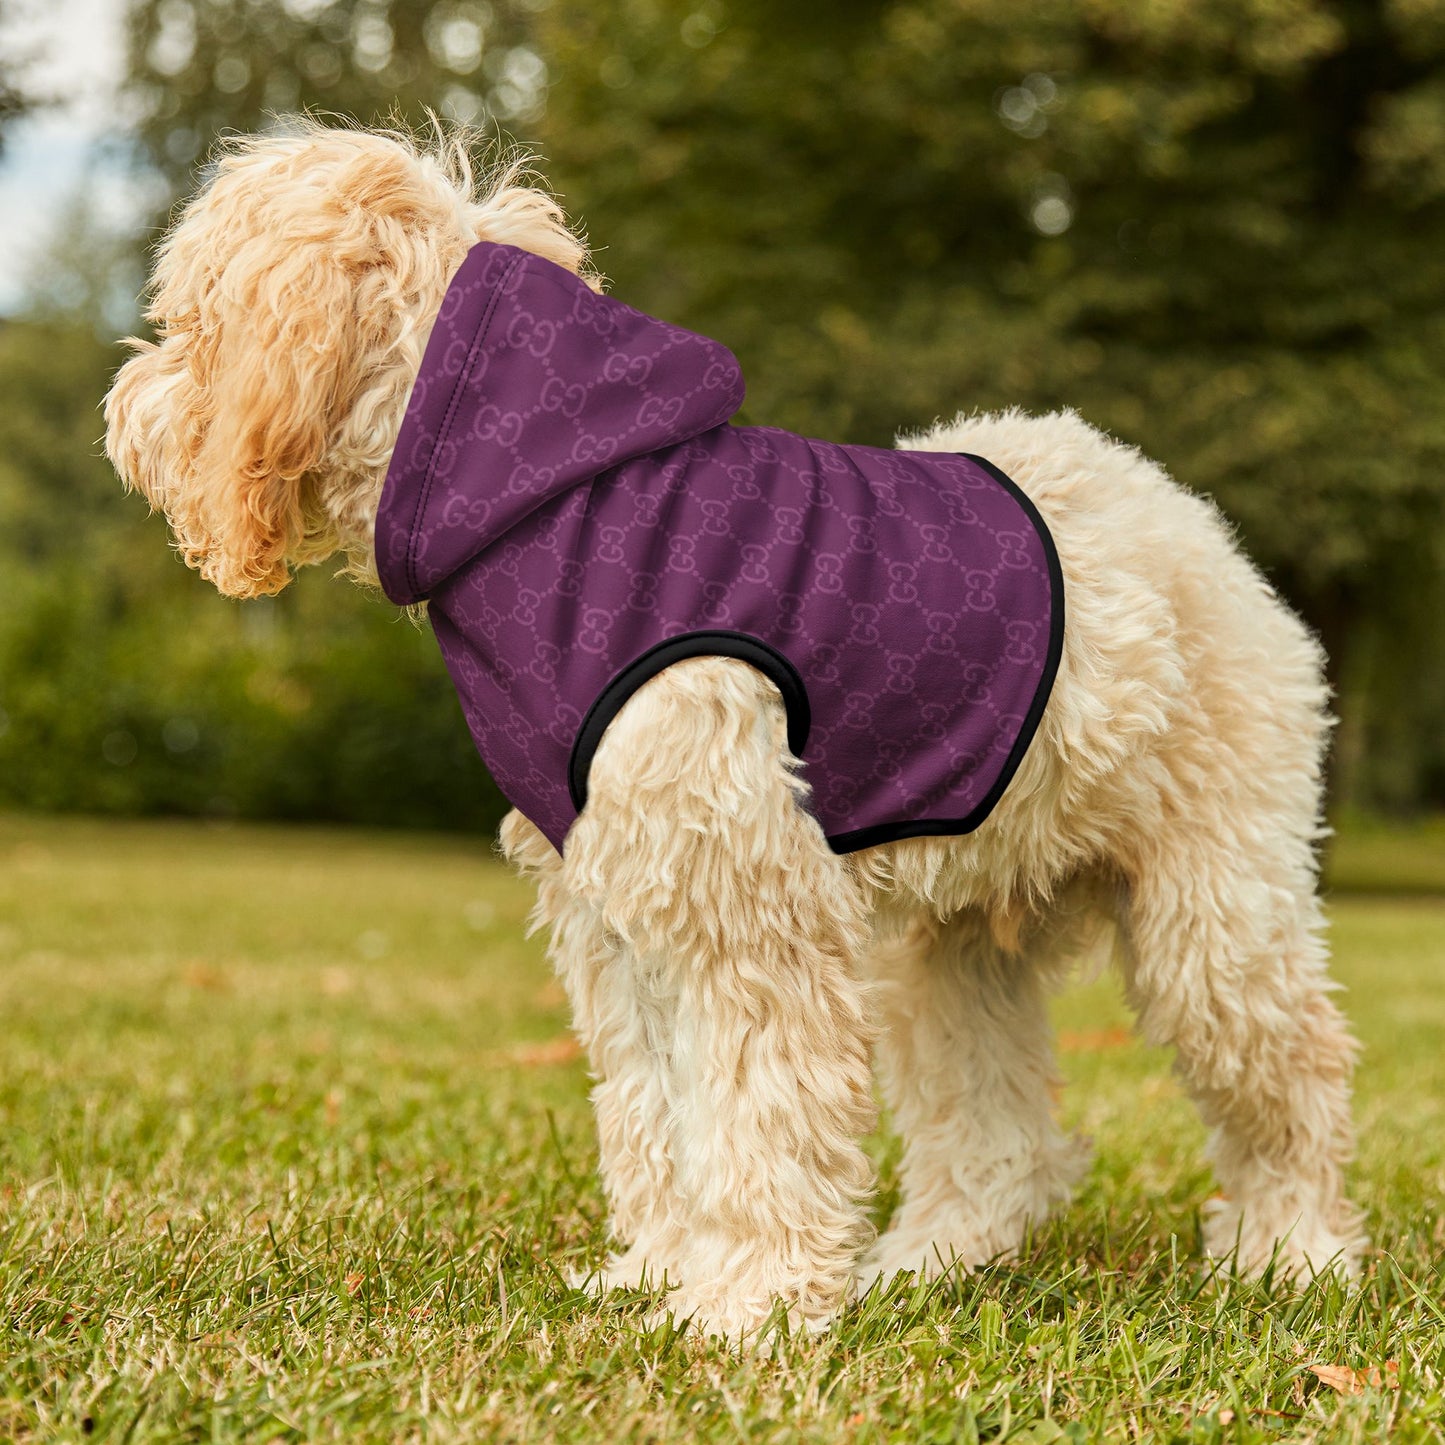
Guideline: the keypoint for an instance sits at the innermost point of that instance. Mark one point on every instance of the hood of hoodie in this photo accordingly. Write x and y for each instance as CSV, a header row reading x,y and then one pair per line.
x,y
530,386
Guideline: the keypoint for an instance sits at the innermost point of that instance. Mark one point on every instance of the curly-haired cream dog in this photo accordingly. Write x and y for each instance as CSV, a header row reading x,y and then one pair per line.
x,y
745,911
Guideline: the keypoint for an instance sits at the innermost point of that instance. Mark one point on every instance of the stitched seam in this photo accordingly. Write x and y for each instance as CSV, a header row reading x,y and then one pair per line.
x,y
479,340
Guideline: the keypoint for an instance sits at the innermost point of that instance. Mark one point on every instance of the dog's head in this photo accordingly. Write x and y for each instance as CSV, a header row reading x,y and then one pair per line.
x,y
292,300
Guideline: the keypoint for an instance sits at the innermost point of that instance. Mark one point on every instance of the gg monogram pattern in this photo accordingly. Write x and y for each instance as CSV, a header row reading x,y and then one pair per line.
x,y
568,493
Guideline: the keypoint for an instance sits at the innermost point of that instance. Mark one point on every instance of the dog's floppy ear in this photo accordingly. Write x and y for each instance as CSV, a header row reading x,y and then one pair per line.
x,y
276,354
292,301
221,422
286,283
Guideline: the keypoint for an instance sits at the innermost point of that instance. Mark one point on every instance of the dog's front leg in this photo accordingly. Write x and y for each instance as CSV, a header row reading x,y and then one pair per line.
x,y
741,930
624,1024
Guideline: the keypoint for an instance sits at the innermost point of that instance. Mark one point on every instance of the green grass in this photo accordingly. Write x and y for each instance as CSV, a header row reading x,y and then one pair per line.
x,y
284,1155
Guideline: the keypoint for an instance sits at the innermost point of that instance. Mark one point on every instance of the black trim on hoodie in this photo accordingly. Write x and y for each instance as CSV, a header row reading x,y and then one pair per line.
x,y
712,642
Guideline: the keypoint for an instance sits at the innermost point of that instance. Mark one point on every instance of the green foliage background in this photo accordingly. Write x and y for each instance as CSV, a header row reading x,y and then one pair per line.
x,y
1216,228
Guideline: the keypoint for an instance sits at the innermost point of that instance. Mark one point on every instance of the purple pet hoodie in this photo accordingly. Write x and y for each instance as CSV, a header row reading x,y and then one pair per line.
x,y
569,497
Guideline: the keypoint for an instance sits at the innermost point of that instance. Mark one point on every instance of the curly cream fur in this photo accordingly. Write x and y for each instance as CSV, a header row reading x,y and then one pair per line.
x,y
729,974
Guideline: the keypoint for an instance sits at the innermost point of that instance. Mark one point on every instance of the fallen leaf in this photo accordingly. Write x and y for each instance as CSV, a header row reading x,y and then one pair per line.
x,y
1096,1041
1347,1381
554,1051
354,1283
551,995
335,982
202,975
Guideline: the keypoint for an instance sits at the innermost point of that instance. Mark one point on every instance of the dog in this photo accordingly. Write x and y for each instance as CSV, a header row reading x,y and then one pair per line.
x,y
735,965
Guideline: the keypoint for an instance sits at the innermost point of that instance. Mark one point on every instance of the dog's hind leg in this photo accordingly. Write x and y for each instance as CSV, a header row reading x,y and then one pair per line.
x,y
743,931
966,1060
1224,950
1225,961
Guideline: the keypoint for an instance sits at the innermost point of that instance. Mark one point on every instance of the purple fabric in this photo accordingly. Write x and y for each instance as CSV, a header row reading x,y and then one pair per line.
x,y
568,495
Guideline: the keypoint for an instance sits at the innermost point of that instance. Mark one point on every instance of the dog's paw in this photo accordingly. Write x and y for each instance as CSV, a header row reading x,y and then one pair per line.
x,y
966,1228
632,1270
896,1255
958,1243
753,1324
1298,1246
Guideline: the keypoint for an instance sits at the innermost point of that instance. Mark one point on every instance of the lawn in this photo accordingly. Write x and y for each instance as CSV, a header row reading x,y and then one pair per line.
x,y
293,1146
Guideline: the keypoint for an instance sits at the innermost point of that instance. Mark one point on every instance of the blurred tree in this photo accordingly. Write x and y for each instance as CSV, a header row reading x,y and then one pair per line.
x,y
1216,229
15,96
127,685
202,67
57,493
